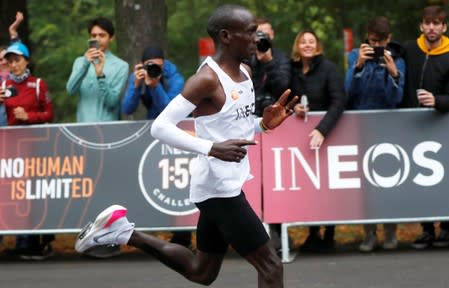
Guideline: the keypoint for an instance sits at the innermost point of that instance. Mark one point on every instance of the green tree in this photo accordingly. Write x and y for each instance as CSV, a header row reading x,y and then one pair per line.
x,y
59,35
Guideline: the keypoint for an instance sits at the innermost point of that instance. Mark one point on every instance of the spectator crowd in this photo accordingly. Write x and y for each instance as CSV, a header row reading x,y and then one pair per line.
x,y
382,74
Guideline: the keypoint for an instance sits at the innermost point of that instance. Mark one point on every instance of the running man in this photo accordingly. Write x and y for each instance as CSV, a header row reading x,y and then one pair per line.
x,y
221,97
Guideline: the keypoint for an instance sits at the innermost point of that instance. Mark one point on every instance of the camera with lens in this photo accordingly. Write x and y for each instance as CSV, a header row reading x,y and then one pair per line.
x,y
10,92
378,53
263,42
153,70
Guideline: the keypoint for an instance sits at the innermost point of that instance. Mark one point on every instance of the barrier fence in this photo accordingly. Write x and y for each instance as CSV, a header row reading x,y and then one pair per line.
x,y
376,166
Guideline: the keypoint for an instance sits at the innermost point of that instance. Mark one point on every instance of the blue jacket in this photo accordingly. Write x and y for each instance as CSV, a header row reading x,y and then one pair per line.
x,y
372,87
157,98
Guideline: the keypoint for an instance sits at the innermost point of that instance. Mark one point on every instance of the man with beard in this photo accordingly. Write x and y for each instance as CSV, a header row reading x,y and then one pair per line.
x,y
427,85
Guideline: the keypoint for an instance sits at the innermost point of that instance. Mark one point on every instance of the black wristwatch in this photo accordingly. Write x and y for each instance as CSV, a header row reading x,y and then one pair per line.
x,y
102,76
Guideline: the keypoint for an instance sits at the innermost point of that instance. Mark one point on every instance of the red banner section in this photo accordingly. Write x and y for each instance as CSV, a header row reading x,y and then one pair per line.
x,y
298,182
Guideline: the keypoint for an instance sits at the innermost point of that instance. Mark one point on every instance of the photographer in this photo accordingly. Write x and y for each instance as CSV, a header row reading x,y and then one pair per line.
x,y
376,72
270,67
271,77
155,81
375,80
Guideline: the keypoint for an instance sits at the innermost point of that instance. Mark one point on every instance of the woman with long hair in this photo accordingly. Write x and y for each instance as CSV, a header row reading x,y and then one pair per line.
x,y
317,77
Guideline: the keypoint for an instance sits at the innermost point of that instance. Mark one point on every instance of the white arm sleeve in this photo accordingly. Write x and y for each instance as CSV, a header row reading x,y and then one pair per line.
x,y
257,128
164,127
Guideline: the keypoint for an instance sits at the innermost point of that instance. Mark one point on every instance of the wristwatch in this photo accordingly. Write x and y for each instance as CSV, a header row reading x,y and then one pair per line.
x,y
102,76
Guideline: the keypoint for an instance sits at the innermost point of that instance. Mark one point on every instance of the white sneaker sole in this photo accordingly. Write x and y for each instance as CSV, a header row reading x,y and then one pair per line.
x,y
85,239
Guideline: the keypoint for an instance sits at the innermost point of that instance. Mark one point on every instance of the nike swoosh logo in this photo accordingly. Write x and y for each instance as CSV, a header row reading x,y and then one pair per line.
x,y
96,238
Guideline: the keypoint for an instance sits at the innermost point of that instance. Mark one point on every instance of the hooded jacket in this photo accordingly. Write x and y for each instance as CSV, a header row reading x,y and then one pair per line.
x,y
427,69
372,86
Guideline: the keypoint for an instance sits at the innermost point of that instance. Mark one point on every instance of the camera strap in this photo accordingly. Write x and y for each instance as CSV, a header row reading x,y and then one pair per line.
x,y
38,88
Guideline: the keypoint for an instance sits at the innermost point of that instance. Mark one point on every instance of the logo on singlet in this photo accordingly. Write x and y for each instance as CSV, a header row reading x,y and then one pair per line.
x,y
235,95
164,179
245,111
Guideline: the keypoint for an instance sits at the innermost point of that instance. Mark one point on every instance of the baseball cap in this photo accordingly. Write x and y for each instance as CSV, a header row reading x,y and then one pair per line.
x,y
18,48
152,52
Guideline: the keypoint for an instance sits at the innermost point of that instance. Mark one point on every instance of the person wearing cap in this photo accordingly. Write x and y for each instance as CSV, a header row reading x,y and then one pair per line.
x,y
27,101
155,81
98,77
32,104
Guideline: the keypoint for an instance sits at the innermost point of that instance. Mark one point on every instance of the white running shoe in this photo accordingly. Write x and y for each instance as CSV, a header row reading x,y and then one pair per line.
x,y
111,227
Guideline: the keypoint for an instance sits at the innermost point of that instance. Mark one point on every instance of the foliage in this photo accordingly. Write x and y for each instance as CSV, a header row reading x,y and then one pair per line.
x,y
58,30
59,35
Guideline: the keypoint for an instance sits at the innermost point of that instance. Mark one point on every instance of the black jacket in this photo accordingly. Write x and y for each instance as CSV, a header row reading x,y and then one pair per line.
x,y
270,79
324,89
430,72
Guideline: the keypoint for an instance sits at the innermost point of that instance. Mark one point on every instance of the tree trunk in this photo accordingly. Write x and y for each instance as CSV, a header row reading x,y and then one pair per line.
x,y
139,23
8,10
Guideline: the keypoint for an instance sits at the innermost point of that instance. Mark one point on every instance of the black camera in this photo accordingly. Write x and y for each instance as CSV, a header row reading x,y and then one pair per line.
x,y
153,70
10,91
263,42
378,53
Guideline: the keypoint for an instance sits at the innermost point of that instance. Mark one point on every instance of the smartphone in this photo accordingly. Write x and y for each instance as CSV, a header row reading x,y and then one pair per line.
x,y
93,43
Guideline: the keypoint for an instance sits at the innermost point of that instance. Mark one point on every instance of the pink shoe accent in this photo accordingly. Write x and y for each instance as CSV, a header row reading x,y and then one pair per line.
x,y
115,215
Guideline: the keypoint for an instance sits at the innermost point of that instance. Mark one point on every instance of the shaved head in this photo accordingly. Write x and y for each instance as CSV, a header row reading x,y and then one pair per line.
x,y
225,17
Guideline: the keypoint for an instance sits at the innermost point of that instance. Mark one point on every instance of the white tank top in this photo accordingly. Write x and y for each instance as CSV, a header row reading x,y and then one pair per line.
x,y
212,177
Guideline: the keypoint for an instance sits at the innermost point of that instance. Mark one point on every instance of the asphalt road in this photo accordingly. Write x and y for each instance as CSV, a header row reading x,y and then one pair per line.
x,y
403,268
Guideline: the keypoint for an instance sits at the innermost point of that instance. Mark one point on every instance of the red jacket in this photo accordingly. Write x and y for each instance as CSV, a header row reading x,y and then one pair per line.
x,y
39,110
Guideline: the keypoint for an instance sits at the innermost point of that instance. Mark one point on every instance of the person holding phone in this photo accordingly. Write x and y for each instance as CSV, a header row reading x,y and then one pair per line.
x,y
375,80
98,76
